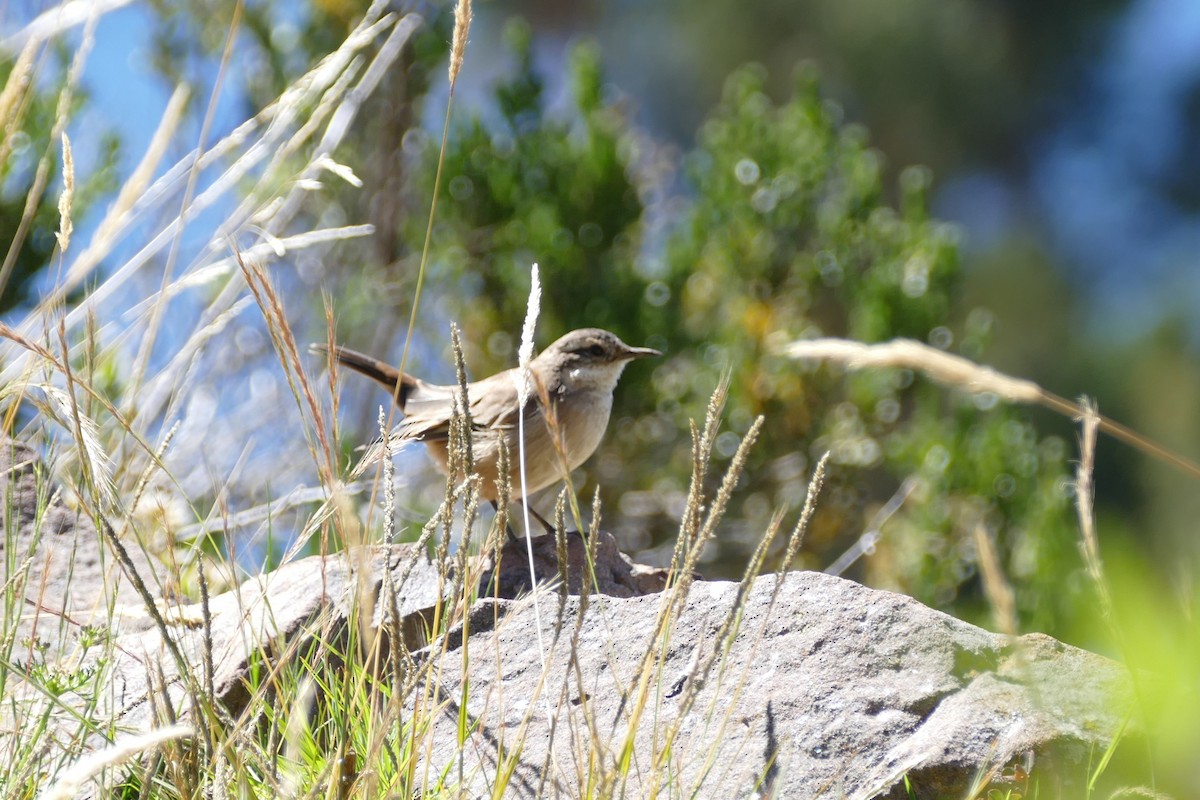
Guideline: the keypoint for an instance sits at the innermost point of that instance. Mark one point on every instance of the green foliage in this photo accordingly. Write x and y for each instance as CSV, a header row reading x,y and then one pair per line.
x,y
787,232
791,235
531,187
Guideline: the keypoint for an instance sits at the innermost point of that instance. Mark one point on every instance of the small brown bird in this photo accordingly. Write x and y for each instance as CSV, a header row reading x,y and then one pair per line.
x,y
578,374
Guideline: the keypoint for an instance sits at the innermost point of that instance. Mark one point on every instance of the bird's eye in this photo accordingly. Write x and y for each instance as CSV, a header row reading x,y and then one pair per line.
x,y
595,350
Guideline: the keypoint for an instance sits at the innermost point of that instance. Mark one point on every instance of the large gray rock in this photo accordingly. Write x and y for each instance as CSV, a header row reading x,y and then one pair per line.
x,y
827,689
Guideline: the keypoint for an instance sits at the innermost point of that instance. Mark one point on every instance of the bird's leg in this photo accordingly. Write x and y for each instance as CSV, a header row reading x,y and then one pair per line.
x,y
512,537
550,529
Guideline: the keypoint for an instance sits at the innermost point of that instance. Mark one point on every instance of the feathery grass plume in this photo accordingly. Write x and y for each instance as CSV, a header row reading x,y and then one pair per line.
x,y
330,343
463,399
962,373
938,365
389,488
122,750
65,226
18,576
462,27
736,466
293,366
525,353
61,401
588,580
97,466
560,544
499,530
93,458
815,484
702,445
91,357
523,380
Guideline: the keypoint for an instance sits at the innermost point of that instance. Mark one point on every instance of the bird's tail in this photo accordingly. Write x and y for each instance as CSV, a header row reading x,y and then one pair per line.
x,y
400,386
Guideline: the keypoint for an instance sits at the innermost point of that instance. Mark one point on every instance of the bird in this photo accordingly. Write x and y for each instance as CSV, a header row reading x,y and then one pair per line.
x,y
566,412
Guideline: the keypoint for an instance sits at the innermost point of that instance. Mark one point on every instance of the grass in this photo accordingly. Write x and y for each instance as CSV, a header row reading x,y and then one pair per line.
x,y
343,712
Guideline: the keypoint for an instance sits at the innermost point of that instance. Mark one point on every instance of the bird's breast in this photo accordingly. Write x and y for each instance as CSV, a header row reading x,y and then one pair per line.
x,y
582,418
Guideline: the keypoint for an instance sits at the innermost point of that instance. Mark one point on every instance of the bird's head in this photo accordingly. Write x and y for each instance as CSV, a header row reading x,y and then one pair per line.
x,y
590,358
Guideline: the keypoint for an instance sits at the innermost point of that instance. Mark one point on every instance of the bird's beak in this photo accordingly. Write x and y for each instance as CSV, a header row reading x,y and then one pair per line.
x,y
641,352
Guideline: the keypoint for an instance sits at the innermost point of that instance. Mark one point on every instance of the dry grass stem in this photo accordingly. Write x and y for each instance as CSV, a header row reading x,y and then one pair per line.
x,y
293,366
727,631
995,586
68,371
525,355
961,373
428,242
865,544
1084,493
14,98
300,496
272,136
936,364
634,699
59,19
117,216
158,309
33,196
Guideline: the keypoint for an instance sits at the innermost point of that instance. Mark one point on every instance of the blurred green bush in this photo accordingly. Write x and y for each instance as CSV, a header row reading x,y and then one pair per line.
x,y
784,229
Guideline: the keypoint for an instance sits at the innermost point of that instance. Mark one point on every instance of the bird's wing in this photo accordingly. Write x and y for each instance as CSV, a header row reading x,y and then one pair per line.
x,y
428,412
494,403
430,408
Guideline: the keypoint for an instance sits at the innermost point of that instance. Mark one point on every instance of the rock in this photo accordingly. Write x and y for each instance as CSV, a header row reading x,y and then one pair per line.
x,y
832,690
313,598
